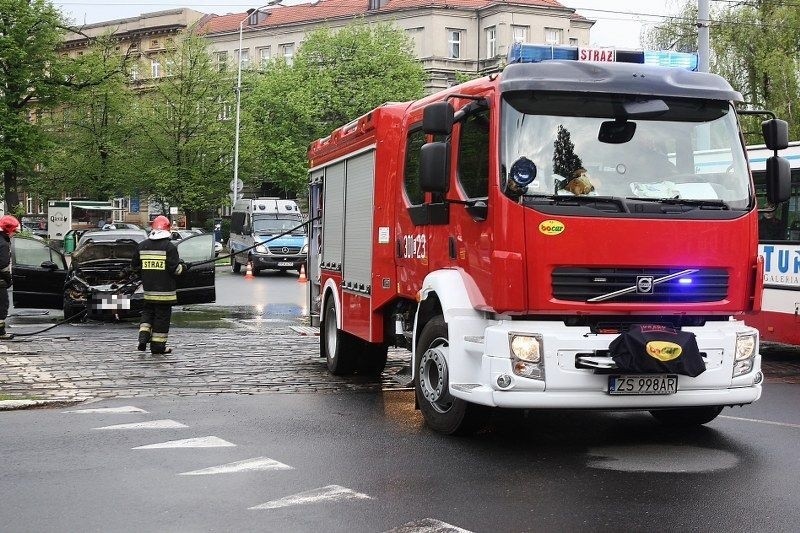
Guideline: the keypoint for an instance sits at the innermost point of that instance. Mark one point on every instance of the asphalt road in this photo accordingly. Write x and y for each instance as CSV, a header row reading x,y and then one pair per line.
x,y
365,462
242,429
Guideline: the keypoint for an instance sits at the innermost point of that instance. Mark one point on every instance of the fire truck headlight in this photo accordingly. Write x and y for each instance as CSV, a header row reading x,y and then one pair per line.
x,y
261,249
745,346
526,347
745,354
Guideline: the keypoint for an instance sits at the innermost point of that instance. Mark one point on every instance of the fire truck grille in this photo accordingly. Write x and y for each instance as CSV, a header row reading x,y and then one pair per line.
x,y
583,284
284,250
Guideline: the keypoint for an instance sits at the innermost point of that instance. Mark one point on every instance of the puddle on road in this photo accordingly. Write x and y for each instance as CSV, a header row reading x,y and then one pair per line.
x,y
205,318
661,458
229,317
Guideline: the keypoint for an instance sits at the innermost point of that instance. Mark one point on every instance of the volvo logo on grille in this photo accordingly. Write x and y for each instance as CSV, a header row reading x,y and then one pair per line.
x,y
285,250
644,284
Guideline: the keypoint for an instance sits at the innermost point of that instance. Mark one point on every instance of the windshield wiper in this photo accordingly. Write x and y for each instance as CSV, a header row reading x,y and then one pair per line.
x,y
585,200
714,204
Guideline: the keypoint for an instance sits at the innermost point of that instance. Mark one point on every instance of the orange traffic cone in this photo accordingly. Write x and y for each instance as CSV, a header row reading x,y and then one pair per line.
x,y
302,278
249,272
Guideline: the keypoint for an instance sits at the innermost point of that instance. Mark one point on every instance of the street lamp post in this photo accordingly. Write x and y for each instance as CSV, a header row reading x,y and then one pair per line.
x,y
234,187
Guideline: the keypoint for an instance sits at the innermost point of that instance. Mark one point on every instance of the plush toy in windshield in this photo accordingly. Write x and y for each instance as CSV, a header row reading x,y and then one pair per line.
x,y
579,184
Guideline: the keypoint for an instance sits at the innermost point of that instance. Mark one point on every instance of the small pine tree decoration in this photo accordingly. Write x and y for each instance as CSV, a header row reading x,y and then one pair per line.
x,y
565,162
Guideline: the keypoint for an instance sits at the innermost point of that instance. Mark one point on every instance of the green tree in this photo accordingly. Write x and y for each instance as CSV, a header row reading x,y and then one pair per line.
x,y
30,81
755,45
91,154
336,77
184,140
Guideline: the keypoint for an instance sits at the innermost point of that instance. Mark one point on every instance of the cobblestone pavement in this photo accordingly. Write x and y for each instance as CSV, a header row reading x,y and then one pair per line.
x,y
216,350
238,355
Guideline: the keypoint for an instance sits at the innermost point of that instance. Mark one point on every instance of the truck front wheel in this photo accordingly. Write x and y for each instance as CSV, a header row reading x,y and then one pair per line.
x,y
442,411
337,346
687,416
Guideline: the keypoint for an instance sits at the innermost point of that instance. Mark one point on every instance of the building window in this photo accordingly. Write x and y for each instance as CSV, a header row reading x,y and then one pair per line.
x,y
573,41
222,61
224,110
29,204
244,57
134,71
491,42
40,206
264,55
155,68
134,47
520,34
553,36
454,44
154,44
287,52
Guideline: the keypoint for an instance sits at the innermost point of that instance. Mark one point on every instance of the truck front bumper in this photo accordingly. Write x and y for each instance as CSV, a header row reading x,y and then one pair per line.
x,y
278,261
481,369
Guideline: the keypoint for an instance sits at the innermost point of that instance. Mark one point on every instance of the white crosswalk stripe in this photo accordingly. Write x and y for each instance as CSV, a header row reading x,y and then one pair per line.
x,y
428,525
197,442
248,465
151,424
330,493
110,410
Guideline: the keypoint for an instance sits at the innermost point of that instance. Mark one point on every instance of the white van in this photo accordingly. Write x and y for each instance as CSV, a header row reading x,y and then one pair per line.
x,y
257,222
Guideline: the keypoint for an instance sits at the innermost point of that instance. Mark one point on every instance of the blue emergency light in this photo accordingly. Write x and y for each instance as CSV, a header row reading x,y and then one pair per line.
x,y
536,53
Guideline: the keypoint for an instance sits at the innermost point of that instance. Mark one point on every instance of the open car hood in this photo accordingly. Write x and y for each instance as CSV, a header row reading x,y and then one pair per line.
x,y
100,251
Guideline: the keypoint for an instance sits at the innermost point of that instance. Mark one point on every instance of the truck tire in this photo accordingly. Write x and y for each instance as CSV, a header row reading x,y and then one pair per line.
x,y
442,412
235,267
339,347
371,358
687,416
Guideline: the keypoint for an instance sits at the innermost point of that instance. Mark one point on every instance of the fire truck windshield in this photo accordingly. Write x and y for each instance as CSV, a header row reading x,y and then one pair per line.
x,y
626,147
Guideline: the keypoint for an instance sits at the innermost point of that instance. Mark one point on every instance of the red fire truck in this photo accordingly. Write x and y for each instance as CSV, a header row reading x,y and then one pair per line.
x,y
509,229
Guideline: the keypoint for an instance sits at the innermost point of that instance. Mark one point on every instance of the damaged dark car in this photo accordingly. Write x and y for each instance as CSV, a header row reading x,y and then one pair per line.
x,y
98,281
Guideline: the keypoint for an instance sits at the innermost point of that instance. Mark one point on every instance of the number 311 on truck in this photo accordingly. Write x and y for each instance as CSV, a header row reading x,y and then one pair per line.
x,y
548,237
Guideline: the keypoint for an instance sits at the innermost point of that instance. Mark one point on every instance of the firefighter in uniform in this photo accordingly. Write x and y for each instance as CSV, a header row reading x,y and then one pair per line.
x,y
157,261
9,225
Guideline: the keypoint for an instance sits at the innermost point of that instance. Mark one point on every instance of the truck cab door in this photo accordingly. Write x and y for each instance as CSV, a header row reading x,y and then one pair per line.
x,y
38,273
412,226
196,286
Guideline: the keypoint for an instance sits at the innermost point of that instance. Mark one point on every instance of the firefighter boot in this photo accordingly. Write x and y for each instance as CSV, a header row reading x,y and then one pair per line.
x,y
144,337
159,348
158,344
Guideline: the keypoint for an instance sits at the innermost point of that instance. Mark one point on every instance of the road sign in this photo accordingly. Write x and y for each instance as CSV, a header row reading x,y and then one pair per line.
x,y
238,184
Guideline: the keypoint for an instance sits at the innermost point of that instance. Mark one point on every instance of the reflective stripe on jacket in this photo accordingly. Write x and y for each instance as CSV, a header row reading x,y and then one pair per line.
x,y
158,264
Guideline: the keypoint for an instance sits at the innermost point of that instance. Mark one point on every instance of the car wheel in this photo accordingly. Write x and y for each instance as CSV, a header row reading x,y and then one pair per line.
x,y
70,312
235,267
687,416
443,412
338,347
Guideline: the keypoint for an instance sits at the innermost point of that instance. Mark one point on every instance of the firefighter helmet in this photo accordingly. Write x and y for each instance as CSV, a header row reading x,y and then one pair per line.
x,y
9,225
161,223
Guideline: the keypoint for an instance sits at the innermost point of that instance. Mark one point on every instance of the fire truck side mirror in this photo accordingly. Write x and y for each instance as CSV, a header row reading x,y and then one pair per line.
x,y
434,167
778,180
437,119
776,133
